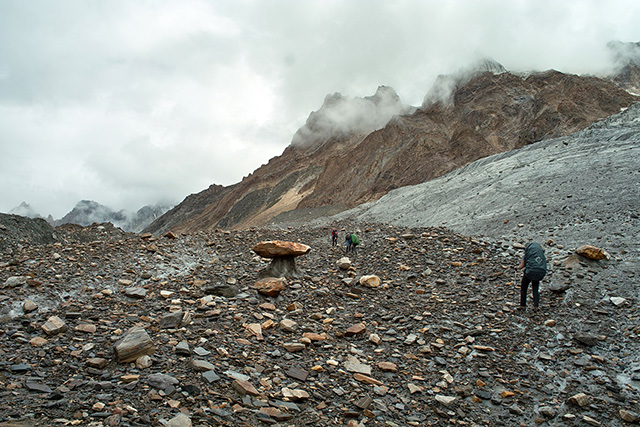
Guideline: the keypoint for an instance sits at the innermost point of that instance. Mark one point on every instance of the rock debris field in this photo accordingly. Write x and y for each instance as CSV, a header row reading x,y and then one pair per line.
x,y
420,328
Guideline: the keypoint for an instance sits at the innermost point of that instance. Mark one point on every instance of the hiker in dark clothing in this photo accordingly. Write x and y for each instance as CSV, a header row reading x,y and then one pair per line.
x,y
348,242
535,268
334,237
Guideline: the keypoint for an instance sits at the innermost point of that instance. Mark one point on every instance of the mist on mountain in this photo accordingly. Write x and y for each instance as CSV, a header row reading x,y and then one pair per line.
x,y
446,84
87,212
24,209
341,115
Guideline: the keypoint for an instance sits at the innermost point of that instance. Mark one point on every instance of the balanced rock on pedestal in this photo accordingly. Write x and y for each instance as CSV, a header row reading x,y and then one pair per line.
x,y
282,256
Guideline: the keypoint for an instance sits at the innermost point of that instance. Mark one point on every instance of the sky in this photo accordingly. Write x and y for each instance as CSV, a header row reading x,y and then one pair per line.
x,y
135,102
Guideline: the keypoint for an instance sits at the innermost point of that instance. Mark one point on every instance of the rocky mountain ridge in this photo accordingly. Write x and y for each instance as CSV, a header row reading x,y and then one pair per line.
x,y
346,169
87,212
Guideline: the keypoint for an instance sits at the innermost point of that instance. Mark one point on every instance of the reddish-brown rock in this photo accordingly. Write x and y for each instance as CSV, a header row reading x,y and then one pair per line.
x,y
592,252
271,286
279,248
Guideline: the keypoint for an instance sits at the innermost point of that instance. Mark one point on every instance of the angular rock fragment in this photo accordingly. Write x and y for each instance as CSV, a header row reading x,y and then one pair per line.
x,y
136,292
617,301
54,325
298,374
356,329
354,365
86,328
445,400
295,394
271,286
245,387
182,348
293,347
161,381
180,420
171,320
29,306
97,362
38,387
288,325
579,399
586,338
222,290
202,365
629,416
367,379
135,343
15,281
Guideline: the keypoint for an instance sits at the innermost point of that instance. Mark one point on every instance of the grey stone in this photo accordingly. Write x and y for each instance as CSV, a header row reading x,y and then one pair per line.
x,y
161,381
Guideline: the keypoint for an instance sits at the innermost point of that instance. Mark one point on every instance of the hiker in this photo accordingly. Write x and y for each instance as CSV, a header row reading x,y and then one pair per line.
x,y
347,240
334,237
355,241
535,268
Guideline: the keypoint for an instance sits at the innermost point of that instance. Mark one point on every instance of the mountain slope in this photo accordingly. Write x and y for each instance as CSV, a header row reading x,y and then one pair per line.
x,y
579,189
332,164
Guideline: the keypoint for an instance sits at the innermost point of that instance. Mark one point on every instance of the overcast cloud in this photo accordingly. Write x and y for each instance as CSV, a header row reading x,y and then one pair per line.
x,y
133,102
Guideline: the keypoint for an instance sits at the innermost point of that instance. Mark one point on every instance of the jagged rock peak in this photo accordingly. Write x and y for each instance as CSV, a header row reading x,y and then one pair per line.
x,y
24,209
446,84
626,63
341,115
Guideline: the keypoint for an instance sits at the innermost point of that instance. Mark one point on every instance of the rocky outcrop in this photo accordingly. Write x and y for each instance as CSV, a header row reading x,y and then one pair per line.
x,y
16,231
335,166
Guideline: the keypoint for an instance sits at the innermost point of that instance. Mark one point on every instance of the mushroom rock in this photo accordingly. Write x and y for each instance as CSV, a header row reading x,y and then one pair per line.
x,y
279,248
283,255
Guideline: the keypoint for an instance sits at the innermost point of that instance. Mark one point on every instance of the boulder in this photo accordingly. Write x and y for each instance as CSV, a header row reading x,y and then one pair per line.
x,y
54,325
279,248
579,399
591,252
135,343
271,286
370,281
344,263
171,320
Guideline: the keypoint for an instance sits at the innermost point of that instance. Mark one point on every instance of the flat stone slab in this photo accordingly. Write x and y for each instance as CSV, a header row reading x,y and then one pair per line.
x,y
280,248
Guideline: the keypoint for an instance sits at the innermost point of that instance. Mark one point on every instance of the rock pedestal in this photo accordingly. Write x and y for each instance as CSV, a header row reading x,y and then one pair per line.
x,y
283,255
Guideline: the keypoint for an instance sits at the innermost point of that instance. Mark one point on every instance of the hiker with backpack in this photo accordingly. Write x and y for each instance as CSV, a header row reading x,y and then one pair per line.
x,y
352,243
334,237
535,268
